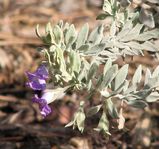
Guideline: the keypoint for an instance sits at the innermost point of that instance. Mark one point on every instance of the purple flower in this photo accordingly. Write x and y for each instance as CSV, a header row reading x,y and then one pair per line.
x,y
37,79
43,101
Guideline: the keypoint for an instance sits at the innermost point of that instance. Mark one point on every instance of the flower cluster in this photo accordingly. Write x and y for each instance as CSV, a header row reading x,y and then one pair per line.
x,y
37,81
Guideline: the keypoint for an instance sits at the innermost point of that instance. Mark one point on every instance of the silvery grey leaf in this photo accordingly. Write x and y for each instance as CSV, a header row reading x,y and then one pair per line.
x,y
133,33
92,72
113,29
147,35
103,124
93,110
148,46
70,36
153,1
137,103
155,72
121,76
83,48
57,34
134,45
147,76
95,50
137,75
107,66
82,36
75,61
96,35
153,97
107,7
109,76
152,83
125,30
111,108
142,94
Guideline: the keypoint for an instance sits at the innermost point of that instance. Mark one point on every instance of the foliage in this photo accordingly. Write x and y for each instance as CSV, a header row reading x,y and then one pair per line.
x,y
74,60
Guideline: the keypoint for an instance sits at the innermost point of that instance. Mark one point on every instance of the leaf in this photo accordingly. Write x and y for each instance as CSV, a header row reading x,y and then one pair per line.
x,y
50,36
153,97
155,72
83,48
121,76
95,50
147,76
70,124
133,33
137,75
103,124
80,117
148,46
109,76
137,103
111,108
92,71
57,34
113,29
70,36
82,36
147,35
125,30
107,66
107,7
96,35
101,16
93,110
75,61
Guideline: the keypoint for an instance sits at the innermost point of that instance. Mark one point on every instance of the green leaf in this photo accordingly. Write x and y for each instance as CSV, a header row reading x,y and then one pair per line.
x,y
82,36
93,110
121,76
102,16
111,108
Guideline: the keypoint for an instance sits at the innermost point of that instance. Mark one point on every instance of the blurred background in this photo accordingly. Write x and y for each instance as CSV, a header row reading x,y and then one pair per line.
x,y
21,125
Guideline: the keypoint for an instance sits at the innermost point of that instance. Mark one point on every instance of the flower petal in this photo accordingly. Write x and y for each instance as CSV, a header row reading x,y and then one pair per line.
x,y
37,84
42,72
44,107
45,110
